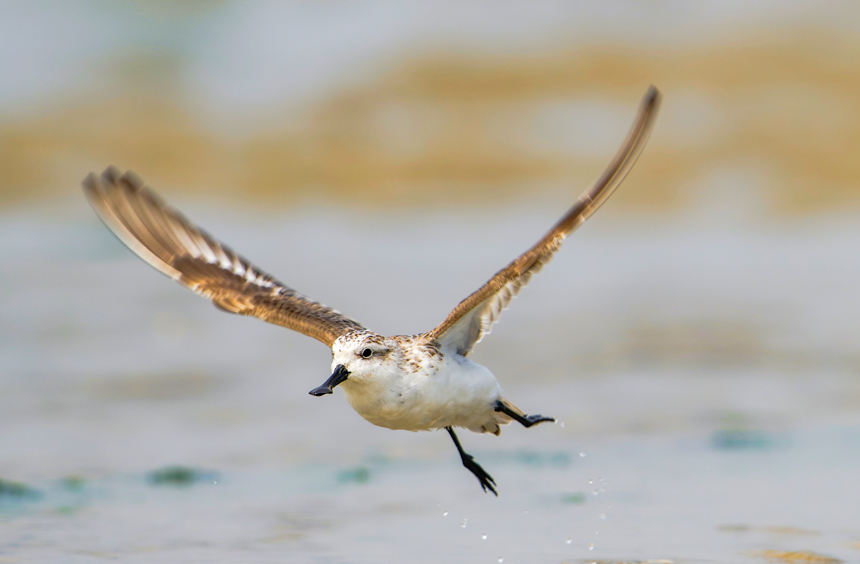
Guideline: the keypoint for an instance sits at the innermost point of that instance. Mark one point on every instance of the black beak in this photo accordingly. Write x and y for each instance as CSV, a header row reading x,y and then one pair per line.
x,y
340,374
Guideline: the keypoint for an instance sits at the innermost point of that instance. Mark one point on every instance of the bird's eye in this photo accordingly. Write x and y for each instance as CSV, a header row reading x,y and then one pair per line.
x,y
366,353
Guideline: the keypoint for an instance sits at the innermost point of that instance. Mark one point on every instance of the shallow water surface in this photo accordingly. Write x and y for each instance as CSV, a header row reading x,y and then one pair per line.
x,y
706,385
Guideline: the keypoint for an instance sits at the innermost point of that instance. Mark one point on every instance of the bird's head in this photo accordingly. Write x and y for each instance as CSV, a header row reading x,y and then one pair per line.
x,y
360,357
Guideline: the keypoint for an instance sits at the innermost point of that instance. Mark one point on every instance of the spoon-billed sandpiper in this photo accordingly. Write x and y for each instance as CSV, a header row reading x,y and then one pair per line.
x,y
419,382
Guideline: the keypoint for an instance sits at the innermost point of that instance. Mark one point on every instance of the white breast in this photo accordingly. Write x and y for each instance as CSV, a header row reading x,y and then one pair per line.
x,y
456,392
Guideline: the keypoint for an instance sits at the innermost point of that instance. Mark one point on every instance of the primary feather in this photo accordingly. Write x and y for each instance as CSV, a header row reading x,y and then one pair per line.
x,y
475,316
172,244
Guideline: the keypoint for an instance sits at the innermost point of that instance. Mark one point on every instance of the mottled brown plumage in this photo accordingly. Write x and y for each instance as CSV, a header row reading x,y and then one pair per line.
x,y
168,241
416,383
474,317
165,239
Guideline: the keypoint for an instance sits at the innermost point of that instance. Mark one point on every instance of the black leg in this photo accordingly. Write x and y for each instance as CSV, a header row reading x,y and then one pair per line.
x,y
486,480
525,420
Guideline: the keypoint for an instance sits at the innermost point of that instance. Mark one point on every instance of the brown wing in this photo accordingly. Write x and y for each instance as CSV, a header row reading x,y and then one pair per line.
x,y
474,317
168,241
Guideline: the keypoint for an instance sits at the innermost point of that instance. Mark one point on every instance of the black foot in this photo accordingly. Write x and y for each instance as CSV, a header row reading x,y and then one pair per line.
x,y
525,420
487,482
485,479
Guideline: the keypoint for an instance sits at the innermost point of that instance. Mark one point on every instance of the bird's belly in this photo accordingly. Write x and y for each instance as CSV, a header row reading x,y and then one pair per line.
x,y
462,396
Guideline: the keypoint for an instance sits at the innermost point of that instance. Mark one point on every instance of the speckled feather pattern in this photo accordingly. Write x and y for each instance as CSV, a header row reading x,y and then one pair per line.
x,y
473,318
418,382
165,239
411,383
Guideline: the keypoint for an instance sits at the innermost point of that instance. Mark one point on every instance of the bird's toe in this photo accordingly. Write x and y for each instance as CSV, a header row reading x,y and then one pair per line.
x,y
487,482
535,419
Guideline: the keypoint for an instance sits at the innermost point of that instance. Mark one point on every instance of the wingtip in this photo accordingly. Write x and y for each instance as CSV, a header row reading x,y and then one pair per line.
x,y
90,183
110,175
132,180
652,97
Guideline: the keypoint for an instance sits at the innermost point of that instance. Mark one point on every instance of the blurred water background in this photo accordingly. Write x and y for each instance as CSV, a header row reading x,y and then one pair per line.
x,y
697,340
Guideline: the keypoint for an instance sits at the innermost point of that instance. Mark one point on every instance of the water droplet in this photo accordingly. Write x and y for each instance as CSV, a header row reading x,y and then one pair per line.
x,y
501,560
569,540
214,481
602,516
464,523
595,492
484,537
582,455
527,511
562,424
445,514
591,481
591,546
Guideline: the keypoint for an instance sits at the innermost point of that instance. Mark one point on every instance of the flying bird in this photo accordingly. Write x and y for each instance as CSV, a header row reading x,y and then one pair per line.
x,y
417,382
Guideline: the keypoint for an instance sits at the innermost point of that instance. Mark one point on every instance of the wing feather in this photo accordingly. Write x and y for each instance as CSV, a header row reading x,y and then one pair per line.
x,y
475,316
169,242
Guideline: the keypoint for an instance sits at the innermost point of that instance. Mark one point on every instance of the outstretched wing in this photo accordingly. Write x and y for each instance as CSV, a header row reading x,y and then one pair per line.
x,y
165,239
474,317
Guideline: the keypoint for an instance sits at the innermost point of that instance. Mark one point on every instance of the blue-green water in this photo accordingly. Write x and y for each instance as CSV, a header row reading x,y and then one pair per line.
x,y
703,366
706,385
